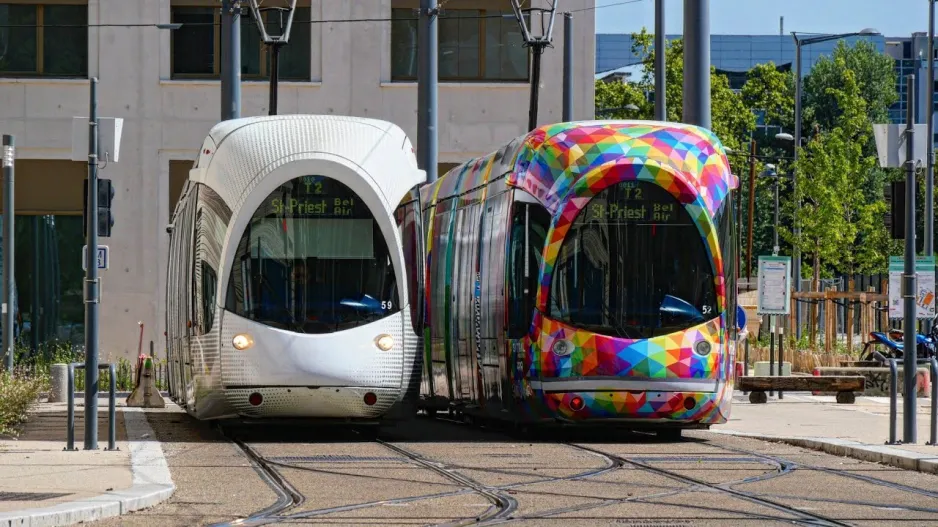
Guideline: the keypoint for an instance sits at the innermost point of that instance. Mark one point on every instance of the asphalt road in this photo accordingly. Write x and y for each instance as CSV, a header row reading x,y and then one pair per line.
x,y
439,472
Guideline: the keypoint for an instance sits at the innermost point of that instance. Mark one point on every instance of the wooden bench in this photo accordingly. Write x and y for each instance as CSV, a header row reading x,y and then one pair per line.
x,y
844,386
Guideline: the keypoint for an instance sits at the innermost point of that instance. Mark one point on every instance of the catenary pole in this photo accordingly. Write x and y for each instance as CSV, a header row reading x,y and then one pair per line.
x,y
91,278
909,290
697,62
930,154
427,81
567,67
231,60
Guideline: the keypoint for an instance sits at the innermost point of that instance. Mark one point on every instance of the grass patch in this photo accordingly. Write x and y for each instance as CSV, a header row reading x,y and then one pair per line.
x,y
19,392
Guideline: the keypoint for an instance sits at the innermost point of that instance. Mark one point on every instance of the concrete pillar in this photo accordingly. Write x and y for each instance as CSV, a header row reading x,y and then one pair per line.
x,y
58,392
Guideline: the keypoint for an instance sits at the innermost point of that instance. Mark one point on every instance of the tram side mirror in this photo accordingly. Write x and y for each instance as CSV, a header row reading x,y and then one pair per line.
x,y
675,308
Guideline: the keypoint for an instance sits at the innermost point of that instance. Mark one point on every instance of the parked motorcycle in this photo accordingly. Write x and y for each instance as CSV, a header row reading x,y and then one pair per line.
x,y
926,346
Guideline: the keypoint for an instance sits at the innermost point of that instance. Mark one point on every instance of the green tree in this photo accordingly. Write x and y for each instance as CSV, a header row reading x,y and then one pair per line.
x,y
613,97
825,105
876,80
839,227
731,120
769,91
772,91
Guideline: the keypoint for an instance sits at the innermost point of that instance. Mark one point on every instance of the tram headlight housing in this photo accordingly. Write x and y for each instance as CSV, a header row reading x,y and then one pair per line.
x,y
384,342
562,348
702,347
242,341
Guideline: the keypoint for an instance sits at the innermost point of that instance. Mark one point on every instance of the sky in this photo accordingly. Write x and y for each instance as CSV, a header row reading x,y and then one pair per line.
x,y
892,18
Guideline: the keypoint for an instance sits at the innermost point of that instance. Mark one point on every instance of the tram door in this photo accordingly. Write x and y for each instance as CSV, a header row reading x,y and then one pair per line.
x,y
528,228
179,289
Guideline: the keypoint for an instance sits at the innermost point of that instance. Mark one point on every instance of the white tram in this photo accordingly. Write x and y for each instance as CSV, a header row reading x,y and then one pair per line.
x,y
288,294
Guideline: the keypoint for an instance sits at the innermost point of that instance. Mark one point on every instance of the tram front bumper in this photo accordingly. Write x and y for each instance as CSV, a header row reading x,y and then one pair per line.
x,y
637,401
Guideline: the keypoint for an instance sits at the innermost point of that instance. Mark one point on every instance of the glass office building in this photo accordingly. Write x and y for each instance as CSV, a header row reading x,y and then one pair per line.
x,y
735,55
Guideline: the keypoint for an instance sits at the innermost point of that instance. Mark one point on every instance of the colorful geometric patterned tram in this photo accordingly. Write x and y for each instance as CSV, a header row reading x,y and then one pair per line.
x,y
584,273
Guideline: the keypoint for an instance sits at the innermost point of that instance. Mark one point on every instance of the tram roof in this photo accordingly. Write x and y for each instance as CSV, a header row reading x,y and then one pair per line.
x,y
550,159
238,152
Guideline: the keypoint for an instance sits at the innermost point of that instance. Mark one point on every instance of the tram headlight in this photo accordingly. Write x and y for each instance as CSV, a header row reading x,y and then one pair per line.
x,y
562,348
384,342
242,341
702,347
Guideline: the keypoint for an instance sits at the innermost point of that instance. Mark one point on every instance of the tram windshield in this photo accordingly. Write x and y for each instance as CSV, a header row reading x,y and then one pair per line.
x,y
633,265
312,260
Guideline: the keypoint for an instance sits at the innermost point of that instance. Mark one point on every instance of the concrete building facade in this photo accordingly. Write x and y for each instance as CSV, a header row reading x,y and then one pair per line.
x,y
165,86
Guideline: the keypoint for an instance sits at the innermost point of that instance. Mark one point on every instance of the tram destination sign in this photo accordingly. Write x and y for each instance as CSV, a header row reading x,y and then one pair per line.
x,y
632,204
316,197
314,206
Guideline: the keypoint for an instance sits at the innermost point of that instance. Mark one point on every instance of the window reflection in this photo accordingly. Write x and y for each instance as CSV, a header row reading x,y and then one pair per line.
x,y
313,260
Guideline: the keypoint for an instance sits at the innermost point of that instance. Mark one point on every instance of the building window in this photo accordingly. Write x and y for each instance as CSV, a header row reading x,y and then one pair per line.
x,y
474,45
33,41
197,44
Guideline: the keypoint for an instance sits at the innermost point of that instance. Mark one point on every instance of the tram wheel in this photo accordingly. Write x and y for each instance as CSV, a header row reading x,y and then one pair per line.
x,y
430,413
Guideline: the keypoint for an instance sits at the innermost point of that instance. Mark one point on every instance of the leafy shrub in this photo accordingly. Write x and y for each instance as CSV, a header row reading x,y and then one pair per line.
x,y
18,393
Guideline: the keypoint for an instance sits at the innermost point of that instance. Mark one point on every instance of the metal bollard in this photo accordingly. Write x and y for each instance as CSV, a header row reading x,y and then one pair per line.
x,y
112,410
934,402
59,374
893,395
112,405
70,445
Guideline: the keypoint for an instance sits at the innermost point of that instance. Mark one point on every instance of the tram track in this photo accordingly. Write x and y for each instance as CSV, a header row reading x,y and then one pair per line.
x,y
287,496
504,508
803,517
839,473
614,462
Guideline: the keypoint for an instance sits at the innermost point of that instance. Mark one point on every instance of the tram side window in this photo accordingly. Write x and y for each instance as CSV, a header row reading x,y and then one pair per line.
x,y
182,238
528,235
209,283
211,223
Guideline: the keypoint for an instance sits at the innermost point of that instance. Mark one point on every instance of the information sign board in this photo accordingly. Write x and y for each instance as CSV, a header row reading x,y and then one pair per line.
x,y
774,286
924,285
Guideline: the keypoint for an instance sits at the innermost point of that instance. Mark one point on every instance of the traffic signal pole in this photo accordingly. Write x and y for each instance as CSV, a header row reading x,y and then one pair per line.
x,y
91,289
9,159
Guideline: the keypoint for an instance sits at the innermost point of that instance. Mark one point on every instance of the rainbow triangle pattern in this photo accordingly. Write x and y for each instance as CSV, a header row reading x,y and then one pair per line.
x,y
563,165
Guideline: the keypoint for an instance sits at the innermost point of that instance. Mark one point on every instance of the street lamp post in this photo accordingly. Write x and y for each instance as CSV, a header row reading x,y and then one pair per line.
x,y
537,41
799,43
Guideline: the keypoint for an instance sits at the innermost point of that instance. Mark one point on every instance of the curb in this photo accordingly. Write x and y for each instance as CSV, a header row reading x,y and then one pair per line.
x,y
152,484
904,459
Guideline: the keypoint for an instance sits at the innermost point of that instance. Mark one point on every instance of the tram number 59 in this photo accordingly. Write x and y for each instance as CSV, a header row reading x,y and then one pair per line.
x,y
386,304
